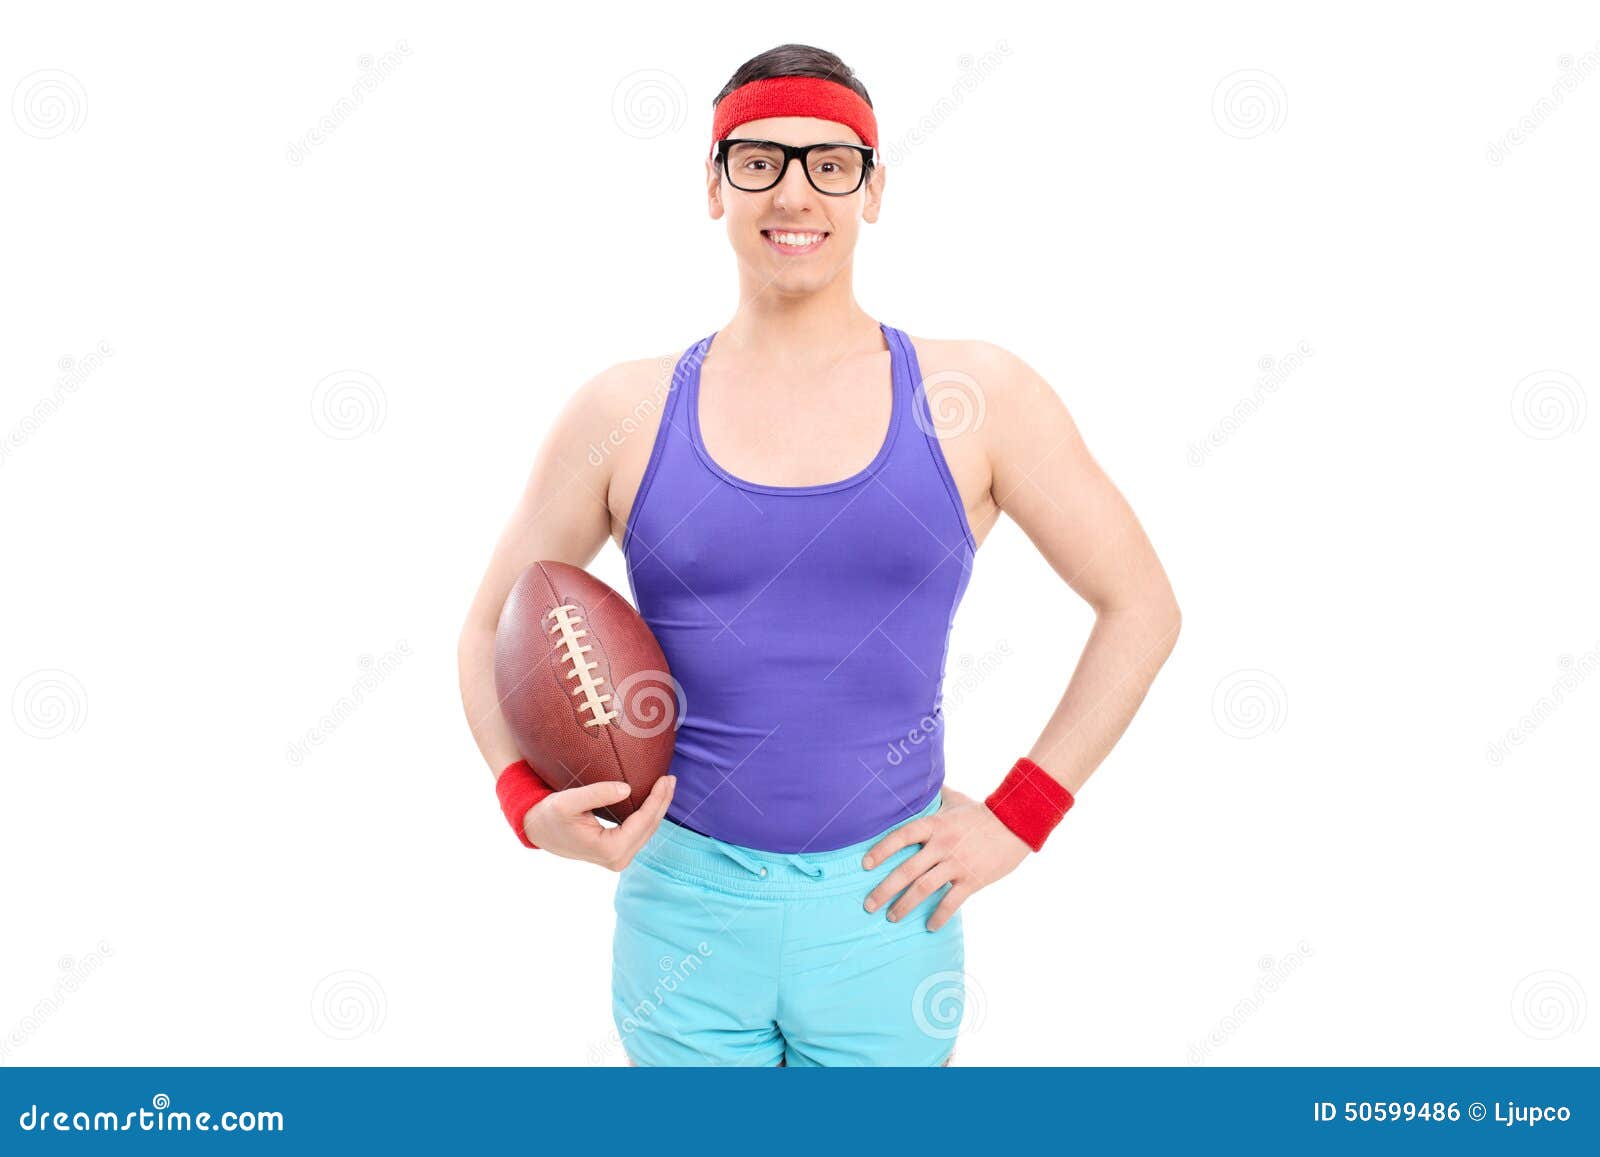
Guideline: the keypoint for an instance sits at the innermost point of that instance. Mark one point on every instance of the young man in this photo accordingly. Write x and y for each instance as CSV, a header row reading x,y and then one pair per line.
x,y
798,539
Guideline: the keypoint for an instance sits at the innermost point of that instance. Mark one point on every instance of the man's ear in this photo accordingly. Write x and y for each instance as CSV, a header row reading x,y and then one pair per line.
x,y
874,200
713,189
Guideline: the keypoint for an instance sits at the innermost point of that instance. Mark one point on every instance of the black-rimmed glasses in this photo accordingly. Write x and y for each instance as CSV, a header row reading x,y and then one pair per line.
x,y
833,168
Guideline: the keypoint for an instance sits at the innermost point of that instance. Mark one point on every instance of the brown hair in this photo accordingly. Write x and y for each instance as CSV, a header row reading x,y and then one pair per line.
x,y
794,60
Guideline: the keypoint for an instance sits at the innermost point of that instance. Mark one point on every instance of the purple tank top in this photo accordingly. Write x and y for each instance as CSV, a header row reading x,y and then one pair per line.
x,y
807,626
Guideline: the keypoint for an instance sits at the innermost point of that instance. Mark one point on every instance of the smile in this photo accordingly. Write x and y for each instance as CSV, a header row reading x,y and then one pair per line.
x,y
788,242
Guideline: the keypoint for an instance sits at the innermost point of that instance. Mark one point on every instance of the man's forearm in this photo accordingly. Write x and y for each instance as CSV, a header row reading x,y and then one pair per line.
x,y
1119,662
480,700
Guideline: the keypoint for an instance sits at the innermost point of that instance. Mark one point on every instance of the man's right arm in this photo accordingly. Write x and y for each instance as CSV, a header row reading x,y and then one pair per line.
x,y
562,515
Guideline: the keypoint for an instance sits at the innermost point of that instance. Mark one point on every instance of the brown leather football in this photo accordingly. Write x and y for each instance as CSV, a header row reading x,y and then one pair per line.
x,y
584,685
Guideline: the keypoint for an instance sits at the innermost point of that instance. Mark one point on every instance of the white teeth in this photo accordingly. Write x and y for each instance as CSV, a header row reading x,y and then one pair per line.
x,y
796,239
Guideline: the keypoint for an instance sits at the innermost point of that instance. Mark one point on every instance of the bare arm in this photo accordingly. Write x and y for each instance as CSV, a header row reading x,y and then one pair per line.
x,y
1047,481
1044,477
562,515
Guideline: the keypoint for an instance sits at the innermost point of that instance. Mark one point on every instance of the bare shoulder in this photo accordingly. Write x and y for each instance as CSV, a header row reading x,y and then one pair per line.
x,y
626,403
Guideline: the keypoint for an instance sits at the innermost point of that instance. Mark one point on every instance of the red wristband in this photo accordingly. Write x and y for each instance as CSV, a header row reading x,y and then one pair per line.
x,y
519,788
1030,801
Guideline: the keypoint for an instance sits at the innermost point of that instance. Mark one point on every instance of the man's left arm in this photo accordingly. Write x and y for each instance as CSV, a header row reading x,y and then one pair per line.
x,y
1044,477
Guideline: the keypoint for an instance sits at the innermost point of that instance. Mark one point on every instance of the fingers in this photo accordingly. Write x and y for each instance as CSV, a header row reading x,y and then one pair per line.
x,y
915,832
896,881
622,841
576,800
953,899
924,886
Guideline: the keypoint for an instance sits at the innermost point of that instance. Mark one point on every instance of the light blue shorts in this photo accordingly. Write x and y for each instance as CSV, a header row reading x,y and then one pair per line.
x,y
726,955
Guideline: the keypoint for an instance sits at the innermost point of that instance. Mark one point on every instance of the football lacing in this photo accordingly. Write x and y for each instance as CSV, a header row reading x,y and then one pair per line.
x,y
567,620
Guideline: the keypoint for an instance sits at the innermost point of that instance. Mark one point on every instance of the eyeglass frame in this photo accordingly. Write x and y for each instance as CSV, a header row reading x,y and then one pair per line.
x,y
791,152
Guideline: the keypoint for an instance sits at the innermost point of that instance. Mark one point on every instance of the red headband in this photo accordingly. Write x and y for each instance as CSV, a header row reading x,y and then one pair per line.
x,y
795,96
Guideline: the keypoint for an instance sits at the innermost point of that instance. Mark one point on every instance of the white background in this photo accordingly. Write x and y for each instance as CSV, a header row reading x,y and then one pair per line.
x,y
1303,851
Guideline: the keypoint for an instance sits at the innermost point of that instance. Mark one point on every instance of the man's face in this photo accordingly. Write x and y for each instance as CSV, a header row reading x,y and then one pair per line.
x,y
826,226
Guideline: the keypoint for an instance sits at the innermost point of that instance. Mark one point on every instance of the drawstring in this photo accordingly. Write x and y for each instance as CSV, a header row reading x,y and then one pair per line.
x,y
809,869
756,869
741,859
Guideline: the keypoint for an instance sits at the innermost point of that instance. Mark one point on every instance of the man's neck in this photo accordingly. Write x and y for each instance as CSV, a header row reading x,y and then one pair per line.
x,y
797,330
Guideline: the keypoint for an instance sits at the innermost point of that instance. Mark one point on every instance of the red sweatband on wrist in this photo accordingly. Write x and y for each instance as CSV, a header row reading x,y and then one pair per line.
x,y
1030,801
795,96
519,789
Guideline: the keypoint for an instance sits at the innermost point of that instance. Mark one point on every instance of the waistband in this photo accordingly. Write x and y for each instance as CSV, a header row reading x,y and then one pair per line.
x,y
677,851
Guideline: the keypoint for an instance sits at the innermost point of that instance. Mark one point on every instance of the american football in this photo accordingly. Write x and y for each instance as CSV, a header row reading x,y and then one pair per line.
x,y
584,684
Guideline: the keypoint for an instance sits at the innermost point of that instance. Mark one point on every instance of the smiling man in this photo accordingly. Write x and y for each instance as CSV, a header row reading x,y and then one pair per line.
x,y
800,525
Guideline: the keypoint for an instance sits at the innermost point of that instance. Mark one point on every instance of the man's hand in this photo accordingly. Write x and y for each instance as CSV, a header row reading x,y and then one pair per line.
x,y
563,823
964,844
